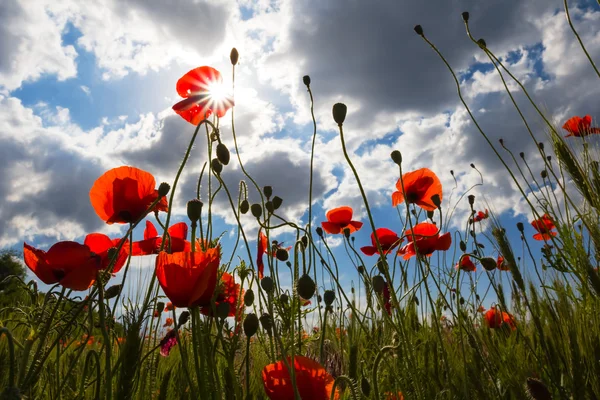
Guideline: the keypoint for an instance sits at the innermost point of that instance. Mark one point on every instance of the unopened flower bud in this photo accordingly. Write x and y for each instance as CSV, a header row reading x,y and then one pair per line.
x,y
419,30
216,166
544,174
463,246
471,199
269,206
339,113
482,43
183,318
194,209
282,254
396,157
435,199
223,309
267,322
522,155
319,231
112,291
319,298
520,226
163,189
250,324
277,201
488,263
329,297
430,214
112,253
256,210
306,80
160,306
249,297
465,16
501,142
268,191
222,154
360,269
244,206
305,287
304,240
378,283
267,284
284,298
234,56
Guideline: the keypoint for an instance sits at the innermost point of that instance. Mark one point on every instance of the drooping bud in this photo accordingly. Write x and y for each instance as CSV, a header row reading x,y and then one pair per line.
x,y
216,166
329,297
183,318
339,113
306,80
419,30
267,322
472,165
267,284
244,206
277,202
305,287
360,269
282,254
396,157
194,209
222,154
112,291
465,16
250,324
378,283
234,56
488,263
163,189
256,210
268,191
304,240
463,246
249,297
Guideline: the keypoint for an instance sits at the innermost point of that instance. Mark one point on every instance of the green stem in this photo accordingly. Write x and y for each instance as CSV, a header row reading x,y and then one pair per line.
x,y
11,356
579,38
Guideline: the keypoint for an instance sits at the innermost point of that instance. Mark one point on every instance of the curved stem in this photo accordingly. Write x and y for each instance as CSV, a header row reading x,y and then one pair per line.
x,y
579,38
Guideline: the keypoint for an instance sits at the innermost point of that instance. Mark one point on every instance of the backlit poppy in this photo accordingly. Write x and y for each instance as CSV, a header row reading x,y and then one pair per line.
x,y
340,219
496,318
227,292
426,238
419,187
544,227
152,240
387,239
188,279
99,244
466,264
262,244
480,216
169,306
168,322
394,396
312,381
501,264
168,342
203,92
122,195
71,264
577,126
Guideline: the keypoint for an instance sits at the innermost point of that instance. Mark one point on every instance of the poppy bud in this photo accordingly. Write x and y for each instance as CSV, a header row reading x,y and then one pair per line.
x,y
544,174
282,254
267,322
365,387
396,157
244,206
549,158
194,209
520,226
452,172
304,241
256,210
319,231
482,43
112,253
183,318
250,324
522,155
216,166
465,16
378,283
160,306
481,245
329,297
284,298
268,191
305,287
163,189
541,146
112,291
339,113
269,206
267,284
501,142
430,214
471,199
463,246
461,300
346,233
249,297
234,56
360,269
435,199
277,202
472,165
419,30
306,80
488,263
222,154
223,310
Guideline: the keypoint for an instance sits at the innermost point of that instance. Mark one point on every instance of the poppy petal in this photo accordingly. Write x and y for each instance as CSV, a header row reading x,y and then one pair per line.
x,y
340,215
197,79
331,228
150,232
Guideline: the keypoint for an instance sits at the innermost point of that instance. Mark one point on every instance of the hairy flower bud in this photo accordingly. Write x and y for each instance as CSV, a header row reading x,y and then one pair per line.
x,y
319,231
268,191
112,291
465,16
267,322
277,201
222,154
244,206
396,156
250,324
463,246
339,113
223,309
471,199
482,43
269,206
249,297
306,80
256,210
216,166
163,189
194,209
305,287
378,283
284,298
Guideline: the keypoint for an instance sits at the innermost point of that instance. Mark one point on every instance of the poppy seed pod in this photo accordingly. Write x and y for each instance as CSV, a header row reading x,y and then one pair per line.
x,y
249,297
268,191
305,287
183,318
277,202
269,206
482,43
244,206
306,80
419,30
256,210
378,283
222,154
520,226
223,310
160,306
319,231
267,322
234,56
430,214
194,209
329,297
163,189
488,263
216,166
465,16
435,199
282,254
267,284
339,113
471,199
250,324
284,298
396,157
112,291
544,174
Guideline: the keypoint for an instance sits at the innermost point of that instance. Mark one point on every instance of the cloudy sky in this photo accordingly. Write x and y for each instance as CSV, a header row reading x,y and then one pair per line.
x,y
88,86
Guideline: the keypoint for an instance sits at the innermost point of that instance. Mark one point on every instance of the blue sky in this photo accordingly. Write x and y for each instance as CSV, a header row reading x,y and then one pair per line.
x,y
90,88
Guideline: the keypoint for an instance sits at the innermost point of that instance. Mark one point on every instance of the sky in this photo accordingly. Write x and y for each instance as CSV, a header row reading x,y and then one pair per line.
x,y
88,86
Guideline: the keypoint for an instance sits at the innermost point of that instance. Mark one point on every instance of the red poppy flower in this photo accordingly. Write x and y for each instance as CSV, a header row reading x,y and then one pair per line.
x,y
71,264
188,280
387,239
168,322
419,187
263,244
203,92
122,195
480,216
152,240
169,307
501,264
227,292
99,244
168,342
339,219
305,303
577,126
156,314
427,240
544,227
312,381
496,318
466,264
